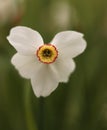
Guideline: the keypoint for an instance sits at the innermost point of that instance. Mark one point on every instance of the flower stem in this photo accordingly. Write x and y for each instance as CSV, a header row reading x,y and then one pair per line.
x,y
29,116
41,114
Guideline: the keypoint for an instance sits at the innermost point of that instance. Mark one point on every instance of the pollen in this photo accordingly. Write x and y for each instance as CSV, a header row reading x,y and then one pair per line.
x,y
47,53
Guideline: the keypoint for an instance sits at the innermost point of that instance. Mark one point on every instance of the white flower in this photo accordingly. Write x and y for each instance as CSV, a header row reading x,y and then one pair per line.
x,y
45,64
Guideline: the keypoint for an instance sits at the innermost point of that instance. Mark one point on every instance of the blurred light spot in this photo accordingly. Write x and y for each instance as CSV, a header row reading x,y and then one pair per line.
x,y
10,11
63,14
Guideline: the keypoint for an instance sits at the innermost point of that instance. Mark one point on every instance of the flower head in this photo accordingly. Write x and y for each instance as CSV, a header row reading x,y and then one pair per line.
x,y
45,64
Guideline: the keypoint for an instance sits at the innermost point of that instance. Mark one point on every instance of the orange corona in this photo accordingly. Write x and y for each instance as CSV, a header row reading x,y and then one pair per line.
x,y
47,53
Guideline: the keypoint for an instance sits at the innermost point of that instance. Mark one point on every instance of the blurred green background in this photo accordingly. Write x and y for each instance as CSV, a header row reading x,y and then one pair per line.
x,y
81,104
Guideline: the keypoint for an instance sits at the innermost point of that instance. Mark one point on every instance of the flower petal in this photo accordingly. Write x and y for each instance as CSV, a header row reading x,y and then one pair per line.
x,y
44,82
25,40
69,43
26,65
62,69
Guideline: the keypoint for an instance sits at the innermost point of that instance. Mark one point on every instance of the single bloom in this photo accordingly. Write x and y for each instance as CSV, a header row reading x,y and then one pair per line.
x,y
45,64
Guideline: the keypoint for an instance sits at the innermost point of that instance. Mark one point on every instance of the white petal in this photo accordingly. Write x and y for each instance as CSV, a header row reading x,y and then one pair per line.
x,y
25,40
69,43
26,65
44,82
62,68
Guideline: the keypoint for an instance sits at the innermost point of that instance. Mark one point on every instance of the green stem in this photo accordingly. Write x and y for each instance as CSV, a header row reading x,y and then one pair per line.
x,y
30,121
41,114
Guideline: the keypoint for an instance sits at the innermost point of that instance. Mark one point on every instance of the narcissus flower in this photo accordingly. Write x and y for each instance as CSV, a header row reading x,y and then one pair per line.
x,y
45,64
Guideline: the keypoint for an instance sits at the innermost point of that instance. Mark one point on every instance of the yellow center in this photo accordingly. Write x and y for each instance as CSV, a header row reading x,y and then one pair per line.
x,y
47,53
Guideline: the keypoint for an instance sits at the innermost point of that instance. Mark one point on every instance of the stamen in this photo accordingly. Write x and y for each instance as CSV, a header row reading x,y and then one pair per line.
x,y
47,53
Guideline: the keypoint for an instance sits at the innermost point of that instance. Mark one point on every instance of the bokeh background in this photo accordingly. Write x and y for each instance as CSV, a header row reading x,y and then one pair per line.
x,y
81,104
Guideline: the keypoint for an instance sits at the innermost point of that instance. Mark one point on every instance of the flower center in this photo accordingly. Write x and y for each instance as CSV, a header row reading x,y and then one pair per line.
x,y
47,53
